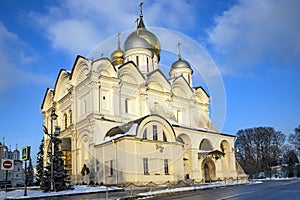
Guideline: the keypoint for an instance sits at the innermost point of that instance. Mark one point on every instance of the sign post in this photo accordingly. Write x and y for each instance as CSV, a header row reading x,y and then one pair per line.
x,y
7,164
25,157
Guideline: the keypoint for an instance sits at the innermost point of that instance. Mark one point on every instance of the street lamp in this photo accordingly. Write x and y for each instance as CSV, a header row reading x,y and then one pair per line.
x,y
52,136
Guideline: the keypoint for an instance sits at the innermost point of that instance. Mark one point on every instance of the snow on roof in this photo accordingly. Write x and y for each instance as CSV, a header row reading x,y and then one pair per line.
x,y
130,132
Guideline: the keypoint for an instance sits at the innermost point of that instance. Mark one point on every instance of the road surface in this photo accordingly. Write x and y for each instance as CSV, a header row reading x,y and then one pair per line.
x,y
266,190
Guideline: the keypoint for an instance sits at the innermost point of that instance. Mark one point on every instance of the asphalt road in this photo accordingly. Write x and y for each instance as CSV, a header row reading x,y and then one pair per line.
x,y
268,190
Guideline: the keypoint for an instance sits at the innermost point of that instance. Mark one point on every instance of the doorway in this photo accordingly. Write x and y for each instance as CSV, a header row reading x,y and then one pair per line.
x,y
209,170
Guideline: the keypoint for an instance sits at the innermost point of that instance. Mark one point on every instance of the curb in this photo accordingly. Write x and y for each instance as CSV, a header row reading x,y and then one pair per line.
x,y
136,196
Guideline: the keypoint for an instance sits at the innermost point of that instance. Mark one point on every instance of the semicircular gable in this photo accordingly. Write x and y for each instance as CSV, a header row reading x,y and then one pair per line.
x,y
48,99
104,67
181,88
61,84
157,81
130,73
80,70
153,119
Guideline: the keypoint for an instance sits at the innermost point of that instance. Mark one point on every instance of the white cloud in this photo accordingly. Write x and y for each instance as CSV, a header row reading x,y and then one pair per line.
x,y
73,35
258,31
77,26
14,56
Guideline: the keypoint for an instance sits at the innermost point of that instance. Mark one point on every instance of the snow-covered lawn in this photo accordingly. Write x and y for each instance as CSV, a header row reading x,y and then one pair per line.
x,y
78,189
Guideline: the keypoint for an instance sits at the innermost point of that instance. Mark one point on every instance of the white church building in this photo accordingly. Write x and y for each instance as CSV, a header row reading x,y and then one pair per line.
x,y
127,122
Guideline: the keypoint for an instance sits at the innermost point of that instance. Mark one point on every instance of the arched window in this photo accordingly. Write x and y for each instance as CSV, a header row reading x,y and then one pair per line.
x,y
66,120
205,145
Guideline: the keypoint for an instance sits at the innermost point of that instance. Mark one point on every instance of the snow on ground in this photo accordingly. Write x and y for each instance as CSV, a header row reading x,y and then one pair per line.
x,y
190,188
84,189
78,189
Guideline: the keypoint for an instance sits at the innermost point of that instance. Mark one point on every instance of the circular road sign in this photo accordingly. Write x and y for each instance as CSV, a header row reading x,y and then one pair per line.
x,y
7,164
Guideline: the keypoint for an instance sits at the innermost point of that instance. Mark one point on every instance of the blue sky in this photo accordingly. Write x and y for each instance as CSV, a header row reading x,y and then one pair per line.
x,y
255,45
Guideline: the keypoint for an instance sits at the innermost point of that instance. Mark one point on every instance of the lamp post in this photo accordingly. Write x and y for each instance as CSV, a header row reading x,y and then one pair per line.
x,y
52,136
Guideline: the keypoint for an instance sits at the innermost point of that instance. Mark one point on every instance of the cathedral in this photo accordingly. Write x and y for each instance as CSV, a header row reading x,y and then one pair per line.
x,y
15,176
125,121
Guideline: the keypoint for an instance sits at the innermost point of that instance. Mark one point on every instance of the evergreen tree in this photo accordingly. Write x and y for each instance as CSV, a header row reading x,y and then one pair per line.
x,y
30,174
59,173
40,165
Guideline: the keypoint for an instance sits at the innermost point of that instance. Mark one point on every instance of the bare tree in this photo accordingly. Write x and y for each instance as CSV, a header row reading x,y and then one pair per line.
x,y
259,148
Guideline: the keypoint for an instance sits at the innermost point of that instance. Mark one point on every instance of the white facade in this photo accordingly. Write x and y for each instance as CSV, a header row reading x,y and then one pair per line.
x,y
15,176
127,122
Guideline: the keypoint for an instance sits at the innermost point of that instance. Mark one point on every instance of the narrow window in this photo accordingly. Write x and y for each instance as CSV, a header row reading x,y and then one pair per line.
x,y
147,64
179,116
145,162
154,127
84,107
70,117
145,134
66,120
164,137
137,61
126,105
166,166
111,169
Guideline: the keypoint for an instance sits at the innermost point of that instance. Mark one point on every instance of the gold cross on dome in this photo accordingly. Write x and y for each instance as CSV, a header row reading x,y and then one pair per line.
x,y
119,40
178,46
141,8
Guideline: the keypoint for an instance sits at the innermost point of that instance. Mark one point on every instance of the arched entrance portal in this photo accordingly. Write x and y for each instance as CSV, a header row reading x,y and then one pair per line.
x,y
208,170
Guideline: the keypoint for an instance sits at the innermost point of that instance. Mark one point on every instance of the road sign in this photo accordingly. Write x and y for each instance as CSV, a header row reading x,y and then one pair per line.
x,y
26,153
7,164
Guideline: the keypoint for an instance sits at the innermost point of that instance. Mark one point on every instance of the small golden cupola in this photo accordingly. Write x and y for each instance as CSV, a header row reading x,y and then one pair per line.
x,y
181,68
117,57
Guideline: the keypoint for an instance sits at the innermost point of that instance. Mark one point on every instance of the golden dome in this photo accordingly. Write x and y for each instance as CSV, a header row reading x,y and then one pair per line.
x,y
117,57
117,54
142,38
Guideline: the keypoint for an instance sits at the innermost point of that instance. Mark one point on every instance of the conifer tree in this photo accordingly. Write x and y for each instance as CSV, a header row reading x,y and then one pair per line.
x,y
30,174
40,165
59,173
